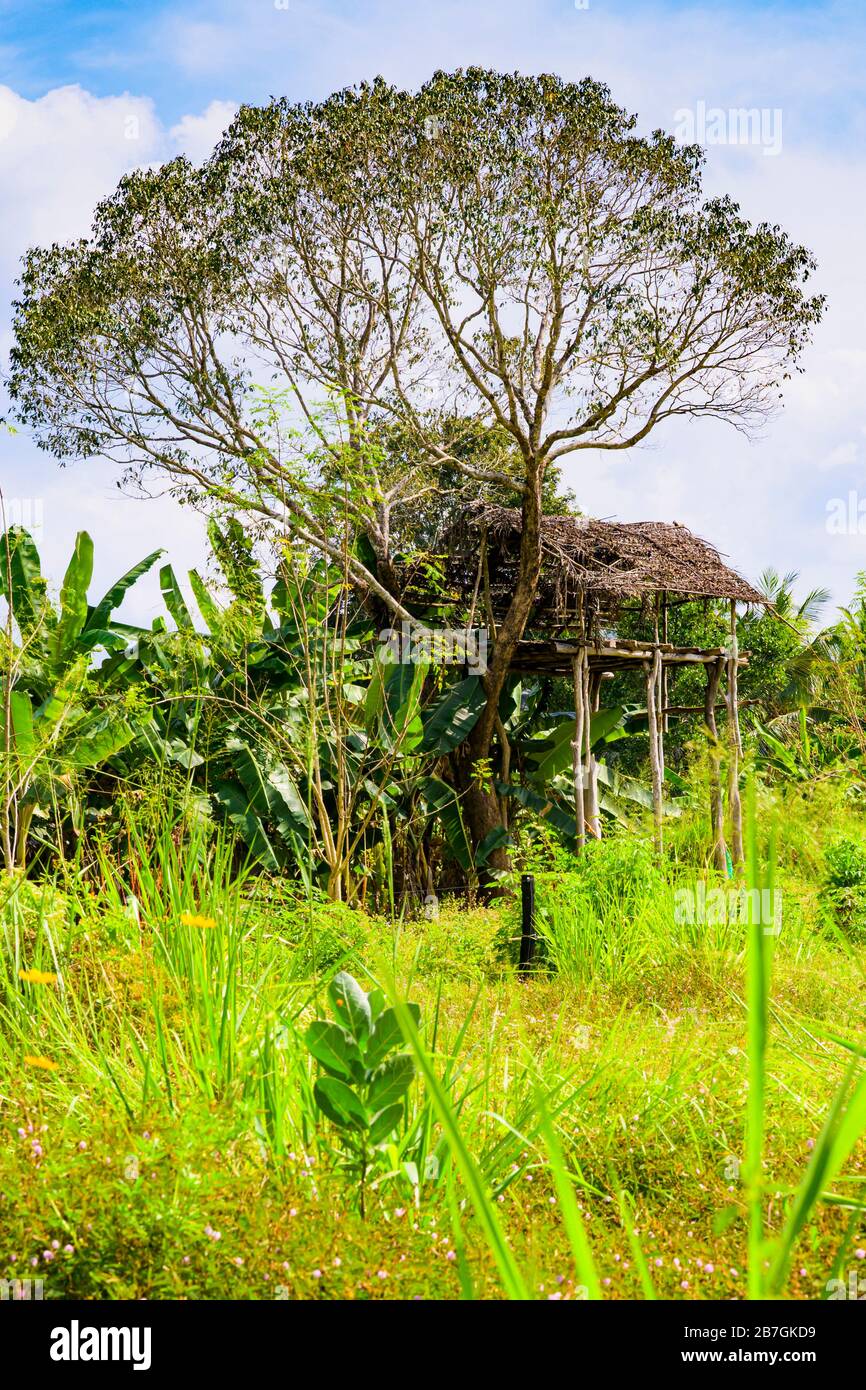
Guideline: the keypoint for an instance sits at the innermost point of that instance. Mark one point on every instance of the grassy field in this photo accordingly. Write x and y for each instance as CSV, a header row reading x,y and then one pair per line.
x,y
615,1125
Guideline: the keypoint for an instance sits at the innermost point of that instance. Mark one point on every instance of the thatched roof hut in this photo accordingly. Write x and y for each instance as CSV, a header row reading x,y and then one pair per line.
x,y
605,562
590,569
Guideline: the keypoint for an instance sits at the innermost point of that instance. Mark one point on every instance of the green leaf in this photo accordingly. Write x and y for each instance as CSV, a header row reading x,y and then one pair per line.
x,y
174,599
58,706
387,1035
333,1047
400,718
443,802
287,806
391,1081
377,1005
543,806
385,1123
95,739
247,823
339,1102
603,723
93,637
271,791
101,614
73,601
207,604
495,839
234,552
510,702
19,556
22,724
548,757
454,718
252,775
351,1005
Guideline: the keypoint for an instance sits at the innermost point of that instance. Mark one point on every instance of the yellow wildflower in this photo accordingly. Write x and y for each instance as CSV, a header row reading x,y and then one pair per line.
x,y
192,919
43,1063
37,977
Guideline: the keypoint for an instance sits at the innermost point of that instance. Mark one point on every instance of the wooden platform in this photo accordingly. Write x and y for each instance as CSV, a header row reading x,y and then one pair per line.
x,y
554,658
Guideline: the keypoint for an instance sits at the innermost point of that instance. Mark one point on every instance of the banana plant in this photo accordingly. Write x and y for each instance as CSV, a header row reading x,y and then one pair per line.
x,y
52,639
54,722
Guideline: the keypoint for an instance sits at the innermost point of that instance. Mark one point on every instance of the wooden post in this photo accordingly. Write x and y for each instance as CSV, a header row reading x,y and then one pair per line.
x,y
735,745
527,923
664,689
593,701
717,802
577,666
660,718
652,684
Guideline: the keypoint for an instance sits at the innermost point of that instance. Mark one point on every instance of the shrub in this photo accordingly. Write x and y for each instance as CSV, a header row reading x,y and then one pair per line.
x,y
845,881
321,936
615,872
467,945
845,863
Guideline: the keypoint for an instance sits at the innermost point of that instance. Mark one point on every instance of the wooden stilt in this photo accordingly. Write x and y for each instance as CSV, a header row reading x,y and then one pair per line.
x,y
735,745
590,809
717,803
593,809
653,670
660,718
578,664
664,689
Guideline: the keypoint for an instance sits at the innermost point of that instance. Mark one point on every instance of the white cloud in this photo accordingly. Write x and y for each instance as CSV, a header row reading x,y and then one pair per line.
x,y
59,155
195,136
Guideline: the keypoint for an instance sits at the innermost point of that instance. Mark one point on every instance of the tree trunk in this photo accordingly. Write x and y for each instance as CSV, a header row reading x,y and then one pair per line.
x,y
481,807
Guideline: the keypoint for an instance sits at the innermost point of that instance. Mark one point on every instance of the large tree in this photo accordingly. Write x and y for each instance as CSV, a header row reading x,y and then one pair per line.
x,y
498,249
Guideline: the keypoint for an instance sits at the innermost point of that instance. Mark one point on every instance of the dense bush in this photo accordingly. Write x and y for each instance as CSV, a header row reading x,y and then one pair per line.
x,y
845,879
845,861
617,871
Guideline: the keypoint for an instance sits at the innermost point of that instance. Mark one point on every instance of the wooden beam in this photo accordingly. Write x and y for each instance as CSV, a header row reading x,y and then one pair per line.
x,y
701,709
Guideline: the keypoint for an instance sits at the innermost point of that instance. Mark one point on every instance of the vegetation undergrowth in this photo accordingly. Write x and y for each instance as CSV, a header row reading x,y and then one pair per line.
x,y
166,1136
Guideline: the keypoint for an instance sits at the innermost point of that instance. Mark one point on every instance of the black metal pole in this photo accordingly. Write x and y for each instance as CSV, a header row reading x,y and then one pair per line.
x,y
527,922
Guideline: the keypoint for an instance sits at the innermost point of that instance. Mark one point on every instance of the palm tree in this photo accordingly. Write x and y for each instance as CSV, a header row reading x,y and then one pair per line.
x,y
805,666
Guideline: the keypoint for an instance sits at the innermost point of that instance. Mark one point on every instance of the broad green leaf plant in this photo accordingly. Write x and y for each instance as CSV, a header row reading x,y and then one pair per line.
x,y
365,1074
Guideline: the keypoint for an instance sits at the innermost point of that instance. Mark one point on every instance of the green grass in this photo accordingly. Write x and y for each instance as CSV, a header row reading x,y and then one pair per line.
x,y
659,1110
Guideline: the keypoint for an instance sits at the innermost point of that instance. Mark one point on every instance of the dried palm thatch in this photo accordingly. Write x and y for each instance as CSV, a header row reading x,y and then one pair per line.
x,y
606,562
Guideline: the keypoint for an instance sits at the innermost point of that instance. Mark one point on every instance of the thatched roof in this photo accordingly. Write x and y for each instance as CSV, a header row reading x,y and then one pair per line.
x,y
608,560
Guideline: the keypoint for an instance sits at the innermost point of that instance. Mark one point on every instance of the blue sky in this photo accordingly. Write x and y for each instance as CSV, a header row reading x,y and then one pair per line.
x,y
76,77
